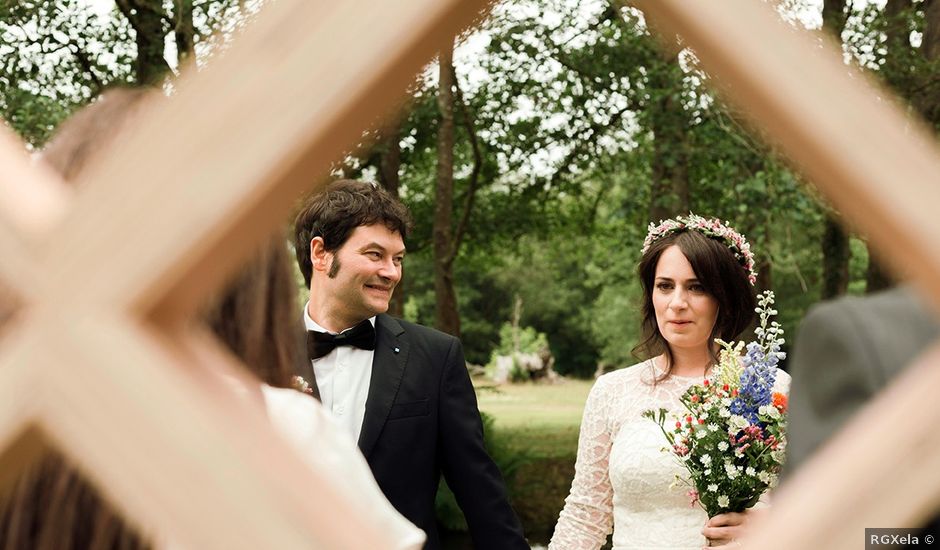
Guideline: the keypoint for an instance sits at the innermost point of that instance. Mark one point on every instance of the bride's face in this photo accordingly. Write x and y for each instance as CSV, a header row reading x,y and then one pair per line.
x,y
685,312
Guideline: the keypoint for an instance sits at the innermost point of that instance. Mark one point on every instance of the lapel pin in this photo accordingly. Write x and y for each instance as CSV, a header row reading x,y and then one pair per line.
x,y
397,350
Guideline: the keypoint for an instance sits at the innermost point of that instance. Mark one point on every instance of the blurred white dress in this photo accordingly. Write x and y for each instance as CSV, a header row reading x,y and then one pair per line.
x,y
314,435
623,480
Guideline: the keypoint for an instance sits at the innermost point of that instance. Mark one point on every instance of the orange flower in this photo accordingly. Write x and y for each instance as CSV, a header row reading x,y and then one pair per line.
x,y
780,401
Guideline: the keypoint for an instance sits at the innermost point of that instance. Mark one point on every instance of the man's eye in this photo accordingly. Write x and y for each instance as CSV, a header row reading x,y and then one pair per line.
x,y
374,255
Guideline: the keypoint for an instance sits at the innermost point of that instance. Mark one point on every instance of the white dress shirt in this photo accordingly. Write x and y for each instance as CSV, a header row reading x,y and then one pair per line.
x,y
343,377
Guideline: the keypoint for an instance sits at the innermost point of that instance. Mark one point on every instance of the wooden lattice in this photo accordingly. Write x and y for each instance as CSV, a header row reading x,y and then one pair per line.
x,y
97,360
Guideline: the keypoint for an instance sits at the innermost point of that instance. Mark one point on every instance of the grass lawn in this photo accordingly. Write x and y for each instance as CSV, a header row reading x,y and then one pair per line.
x,y
542,420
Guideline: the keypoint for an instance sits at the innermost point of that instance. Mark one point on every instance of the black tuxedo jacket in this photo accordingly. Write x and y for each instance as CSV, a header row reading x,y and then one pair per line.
x,y
422,420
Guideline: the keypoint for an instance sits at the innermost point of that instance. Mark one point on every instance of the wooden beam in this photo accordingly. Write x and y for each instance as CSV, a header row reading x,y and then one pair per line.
x,y
293,93
880,167
21,385
21,278
199,466
32,197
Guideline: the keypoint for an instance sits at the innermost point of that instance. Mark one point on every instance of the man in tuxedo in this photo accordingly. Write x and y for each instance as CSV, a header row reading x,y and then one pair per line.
x,y
847,351
400,389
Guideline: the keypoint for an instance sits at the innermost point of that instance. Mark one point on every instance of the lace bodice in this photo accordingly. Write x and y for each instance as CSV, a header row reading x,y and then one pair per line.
x,y
623,480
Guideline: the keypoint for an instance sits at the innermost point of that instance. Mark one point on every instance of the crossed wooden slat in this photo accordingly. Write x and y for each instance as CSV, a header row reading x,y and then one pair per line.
x,y
883,171
169,213
99,358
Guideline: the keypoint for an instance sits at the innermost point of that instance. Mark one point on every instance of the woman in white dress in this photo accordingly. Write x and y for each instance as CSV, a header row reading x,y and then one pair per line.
x,y
697,277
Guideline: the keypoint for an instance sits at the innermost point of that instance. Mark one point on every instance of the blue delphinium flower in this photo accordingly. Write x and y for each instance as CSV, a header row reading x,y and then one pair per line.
x,y
757,380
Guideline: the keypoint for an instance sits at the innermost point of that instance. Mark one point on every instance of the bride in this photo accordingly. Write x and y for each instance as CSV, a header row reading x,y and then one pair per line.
x,y
697,276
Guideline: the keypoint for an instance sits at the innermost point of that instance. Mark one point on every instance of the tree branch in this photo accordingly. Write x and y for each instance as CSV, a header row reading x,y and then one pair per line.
x,y
467,123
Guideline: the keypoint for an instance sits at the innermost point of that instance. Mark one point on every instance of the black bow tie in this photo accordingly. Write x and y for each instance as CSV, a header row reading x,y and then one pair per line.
x,y
361,336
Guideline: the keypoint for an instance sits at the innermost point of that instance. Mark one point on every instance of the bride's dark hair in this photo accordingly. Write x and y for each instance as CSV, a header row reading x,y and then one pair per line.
x,y
721,275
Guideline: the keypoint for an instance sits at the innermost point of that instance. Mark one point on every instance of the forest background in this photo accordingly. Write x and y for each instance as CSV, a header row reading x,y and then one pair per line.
x,y
533,155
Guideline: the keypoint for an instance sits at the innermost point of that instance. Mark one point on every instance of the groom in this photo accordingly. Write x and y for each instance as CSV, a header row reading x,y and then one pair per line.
x,y
402,390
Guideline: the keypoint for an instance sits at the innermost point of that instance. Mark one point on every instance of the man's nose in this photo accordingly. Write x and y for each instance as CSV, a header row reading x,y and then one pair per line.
x,y
390,270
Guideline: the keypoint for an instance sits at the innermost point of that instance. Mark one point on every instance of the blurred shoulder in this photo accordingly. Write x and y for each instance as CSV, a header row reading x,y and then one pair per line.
x,y
900,304
889,327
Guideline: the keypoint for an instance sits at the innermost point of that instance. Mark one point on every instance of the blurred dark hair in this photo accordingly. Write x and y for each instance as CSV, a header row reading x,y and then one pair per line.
x,y
334,213
51,507
257,315
720,274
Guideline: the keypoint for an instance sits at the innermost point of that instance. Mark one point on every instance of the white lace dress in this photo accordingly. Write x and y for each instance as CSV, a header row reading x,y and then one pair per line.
x,y
623,480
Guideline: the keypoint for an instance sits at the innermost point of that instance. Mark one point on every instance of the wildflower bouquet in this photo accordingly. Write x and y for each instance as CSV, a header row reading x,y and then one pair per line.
x,y
732,436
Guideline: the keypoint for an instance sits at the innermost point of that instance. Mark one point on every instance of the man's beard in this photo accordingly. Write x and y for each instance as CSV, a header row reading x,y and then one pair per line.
x,y
334,268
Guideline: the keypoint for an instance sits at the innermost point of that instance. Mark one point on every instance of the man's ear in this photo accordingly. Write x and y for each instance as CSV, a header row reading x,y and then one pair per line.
x,y
319,257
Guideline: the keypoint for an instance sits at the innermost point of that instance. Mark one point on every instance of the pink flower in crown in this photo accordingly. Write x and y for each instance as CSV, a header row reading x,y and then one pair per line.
x,y
710,227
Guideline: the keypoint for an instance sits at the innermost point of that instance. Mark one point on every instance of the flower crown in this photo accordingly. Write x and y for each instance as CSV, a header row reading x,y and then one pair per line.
x,y
712,228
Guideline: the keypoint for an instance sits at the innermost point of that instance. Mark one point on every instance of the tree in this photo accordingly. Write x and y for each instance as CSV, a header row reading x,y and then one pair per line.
x,y
447,318
149,20
835,239
57,55
910,68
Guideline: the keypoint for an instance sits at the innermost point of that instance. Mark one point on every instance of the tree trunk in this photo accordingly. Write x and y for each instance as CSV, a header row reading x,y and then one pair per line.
x,y
927,98
389,165
836,253
834,17
669,195
147,17
877,277
183,30
835,241
765,273
897,31
447,318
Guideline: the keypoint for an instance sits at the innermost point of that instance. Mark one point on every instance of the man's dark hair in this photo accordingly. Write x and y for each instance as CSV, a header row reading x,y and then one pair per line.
x,y
721,275
338,210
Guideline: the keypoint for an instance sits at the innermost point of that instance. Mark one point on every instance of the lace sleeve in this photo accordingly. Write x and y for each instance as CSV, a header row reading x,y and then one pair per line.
x,y
587,517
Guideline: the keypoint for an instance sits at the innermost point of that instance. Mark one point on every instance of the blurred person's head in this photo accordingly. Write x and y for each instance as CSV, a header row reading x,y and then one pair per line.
x,y
91,129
